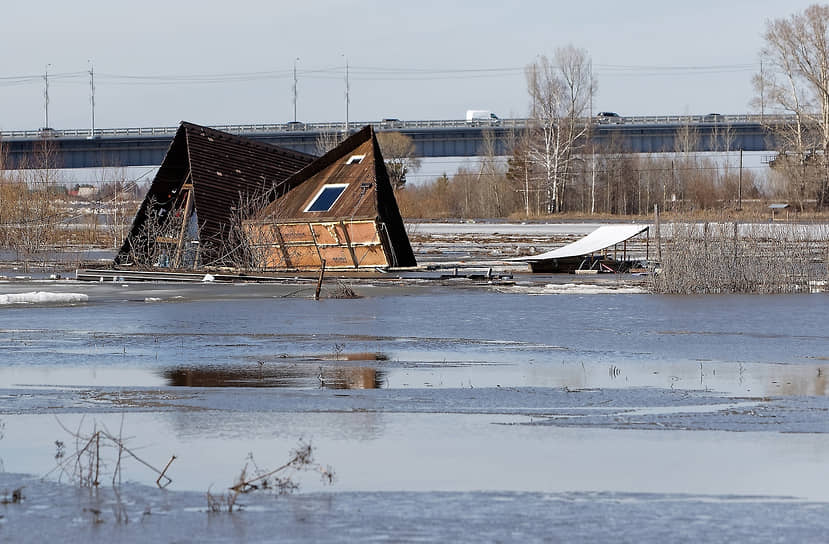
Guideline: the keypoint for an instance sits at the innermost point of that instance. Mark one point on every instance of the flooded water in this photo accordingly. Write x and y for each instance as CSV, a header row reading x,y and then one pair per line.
x,y
431,395
250,336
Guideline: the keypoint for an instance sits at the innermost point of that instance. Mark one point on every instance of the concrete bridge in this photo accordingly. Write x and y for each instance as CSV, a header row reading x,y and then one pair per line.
x,y
80,148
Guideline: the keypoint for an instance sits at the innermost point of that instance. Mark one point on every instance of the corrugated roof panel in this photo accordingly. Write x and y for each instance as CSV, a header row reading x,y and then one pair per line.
x,y
601,238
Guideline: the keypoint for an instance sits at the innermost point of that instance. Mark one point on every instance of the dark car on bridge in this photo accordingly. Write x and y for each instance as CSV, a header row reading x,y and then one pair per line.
x,y
609,117
391,122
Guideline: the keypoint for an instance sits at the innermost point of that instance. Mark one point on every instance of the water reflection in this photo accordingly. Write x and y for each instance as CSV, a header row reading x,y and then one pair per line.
x,y
799,385
281,375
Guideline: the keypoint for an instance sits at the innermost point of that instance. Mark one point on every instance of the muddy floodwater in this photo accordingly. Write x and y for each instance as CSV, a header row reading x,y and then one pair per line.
x,y
516,412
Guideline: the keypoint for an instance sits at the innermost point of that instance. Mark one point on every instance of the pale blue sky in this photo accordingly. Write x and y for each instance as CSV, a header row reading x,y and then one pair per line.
x,y
409,60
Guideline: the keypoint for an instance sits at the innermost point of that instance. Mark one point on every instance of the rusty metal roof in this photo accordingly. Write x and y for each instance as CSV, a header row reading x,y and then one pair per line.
x,y
226,169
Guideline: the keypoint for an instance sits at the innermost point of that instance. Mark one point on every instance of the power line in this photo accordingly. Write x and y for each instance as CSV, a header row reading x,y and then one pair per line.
x,y
371,73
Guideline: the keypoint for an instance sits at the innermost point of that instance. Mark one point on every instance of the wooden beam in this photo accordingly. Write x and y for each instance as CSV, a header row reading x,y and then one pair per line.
x,y
348,244
185,220
316,245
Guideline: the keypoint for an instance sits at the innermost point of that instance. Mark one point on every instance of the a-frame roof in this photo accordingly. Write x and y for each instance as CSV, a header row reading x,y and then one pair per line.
x,y
334,168
225,170
368,192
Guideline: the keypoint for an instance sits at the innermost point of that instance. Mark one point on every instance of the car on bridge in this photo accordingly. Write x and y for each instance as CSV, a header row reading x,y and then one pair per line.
x,y
609,117
391,122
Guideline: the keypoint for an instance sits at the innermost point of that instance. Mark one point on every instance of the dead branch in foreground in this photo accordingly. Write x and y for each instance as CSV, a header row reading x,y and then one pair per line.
x,y
89,462
279,480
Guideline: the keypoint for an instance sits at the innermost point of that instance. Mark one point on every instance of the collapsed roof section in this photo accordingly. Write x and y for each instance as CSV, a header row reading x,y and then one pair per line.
x,y
209,180
580,256
602,238
340,211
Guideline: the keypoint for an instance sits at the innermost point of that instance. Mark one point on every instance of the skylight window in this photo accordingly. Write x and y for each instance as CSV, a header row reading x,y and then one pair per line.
x,y
326,197
355,159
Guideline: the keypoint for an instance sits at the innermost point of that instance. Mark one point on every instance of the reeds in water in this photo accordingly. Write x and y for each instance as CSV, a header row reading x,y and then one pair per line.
x,y
742,258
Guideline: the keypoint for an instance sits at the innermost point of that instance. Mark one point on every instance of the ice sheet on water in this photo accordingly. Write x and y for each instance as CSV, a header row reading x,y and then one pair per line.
x,y
133,513
574,289
42,297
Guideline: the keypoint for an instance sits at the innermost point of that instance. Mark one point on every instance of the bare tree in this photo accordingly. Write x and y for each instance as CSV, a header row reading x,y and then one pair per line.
x,y
32,207
326,141
400,156
795,80
560,90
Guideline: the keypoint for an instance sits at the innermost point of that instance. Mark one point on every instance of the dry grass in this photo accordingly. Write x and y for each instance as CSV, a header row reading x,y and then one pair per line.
x,y
343,290
735,258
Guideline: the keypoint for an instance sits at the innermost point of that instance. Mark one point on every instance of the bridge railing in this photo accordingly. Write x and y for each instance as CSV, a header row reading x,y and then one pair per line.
x,y
388,124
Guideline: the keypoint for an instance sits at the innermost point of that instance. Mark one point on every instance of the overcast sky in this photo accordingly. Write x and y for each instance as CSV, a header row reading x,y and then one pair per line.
x,y
215,62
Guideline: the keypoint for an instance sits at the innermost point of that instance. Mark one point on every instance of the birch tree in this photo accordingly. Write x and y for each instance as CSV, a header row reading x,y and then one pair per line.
x,y
560,90
400,156
795,81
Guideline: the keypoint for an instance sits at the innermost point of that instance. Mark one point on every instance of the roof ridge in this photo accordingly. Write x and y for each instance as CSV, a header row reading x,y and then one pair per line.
x,y
241,140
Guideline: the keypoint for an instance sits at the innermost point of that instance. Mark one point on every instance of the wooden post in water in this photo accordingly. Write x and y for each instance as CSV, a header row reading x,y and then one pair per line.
x,y
734,263
740,184
319,281
658,233
648,246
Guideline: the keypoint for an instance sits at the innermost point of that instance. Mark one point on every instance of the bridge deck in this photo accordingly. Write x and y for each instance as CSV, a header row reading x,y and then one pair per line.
x,y
77,148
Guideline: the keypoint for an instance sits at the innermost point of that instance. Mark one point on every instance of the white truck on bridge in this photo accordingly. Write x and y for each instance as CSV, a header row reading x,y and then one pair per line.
x,y
481,117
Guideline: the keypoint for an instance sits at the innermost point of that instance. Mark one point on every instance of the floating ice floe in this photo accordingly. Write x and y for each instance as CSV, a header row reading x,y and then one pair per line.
x,y
574,289
42,297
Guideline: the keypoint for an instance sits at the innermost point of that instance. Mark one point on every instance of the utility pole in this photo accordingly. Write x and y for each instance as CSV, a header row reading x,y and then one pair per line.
x,y
295,87
46,95
92,97
347,94
740,183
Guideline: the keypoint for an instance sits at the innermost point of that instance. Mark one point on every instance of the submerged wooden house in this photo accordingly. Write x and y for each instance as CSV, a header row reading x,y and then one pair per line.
x,y
340,211
208,182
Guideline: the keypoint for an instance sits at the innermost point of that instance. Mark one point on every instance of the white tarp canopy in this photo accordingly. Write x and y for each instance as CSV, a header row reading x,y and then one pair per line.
x,y
599,239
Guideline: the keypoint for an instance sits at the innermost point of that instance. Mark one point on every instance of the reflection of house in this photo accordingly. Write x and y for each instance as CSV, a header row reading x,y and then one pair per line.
x,y
207,181
338,377
341,210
